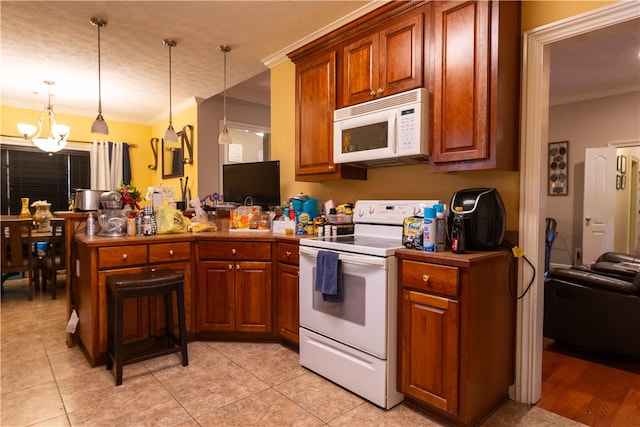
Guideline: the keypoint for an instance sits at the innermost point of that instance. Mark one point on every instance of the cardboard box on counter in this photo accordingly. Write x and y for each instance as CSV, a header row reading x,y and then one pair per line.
x,y
280,227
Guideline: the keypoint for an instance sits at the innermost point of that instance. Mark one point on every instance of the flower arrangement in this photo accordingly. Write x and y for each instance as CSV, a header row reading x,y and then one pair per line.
x,y
130,195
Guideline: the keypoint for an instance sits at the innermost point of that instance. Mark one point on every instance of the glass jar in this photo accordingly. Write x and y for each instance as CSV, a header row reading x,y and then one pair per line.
x,y
42,217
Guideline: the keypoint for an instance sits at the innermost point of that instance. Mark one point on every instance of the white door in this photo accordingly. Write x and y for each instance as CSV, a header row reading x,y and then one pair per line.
x,y
598,223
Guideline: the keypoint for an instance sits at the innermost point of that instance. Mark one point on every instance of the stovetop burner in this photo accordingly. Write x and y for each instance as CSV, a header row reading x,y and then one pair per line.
x,y
378,227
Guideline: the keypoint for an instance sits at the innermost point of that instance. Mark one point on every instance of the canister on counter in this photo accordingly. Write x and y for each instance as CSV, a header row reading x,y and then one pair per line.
x,y
318,226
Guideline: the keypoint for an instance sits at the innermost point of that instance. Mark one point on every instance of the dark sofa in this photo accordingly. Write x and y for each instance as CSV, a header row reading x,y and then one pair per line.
x,y
595,306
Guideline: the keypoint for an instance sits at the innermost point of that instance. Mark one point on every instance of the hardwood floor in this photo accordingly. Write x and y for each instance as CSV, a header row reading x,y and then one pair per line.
x,y
593,389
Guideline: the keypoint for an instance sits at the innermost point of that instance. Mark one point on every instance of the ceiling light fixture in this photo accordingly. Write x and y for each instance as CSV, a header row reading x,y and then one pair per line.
x,y
170,135
99,126
225,137
57,138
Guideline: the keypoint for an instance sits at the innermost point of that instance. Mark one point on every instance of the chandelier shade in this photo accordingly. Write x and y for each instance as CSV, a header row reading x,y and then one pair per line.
x,y
57,138
170,134
225,137
99,125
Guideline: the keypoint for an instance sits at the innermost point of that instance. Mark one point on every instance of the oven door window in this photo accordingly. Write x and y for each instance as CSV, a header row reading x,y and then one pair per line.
x,y
352,307
360,320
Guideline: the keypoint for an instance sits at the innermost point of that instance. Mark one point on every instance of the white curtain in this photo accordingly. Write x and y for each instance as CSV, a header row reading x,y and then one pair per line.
x,y
106,165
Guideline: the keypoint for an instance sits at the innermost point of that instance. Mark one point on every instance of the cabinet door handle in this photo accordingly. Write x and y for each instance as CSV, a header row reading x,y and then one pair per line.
x,y
372,93
425,277
237,266
233,251
230,267
171,252
331,167
288,254
380,91
124,257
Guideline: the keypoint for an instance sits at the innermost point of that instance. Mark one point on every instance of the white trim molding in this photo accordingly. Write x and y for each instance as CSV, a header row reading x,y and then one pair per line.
x,y
534,127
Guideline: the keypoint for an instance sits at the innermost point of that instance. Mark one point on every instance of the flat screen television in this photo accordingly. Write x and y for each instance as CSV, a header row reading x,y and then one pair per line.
x,y
258,180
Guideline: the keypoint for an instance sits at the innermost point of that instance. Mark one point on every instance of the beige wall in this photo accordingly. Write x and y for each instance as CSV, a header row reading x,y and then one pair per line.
x,y
589,124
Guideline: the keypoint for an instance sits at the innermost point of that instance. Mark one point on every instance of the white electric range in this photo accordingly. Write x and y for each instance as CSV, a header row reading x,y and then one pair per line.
x,y
354,342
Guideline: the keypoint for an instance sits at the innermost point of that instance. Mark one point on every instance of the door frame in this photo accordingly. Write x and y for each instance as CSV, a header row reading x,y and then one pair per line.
x,y
534,135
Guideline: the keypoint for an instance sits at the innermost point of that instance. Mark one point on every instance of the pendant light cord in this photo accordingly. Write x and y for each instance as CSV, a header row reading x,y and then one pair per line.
x,y
99,75
224,94
170,101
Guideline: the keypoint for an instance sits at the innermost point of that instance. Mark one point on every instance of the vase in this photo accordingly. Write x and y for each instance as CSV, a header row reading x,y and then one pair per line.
x,y
25,213
42,217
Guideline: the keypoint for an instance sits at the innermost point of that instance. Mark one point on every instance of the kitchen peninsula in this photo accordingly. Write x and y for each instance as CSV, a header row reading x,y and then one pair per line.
x,y
229,286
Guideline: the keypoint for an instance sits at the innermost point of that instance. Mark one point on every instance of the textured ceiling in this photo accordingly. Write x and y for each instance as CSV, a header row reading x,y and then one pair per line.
x,y
596,64
45,40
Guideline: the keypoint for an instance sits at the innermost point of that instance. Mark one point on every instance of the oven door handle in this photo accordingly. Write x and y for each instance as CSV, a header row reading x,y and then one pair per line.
x,y
349,258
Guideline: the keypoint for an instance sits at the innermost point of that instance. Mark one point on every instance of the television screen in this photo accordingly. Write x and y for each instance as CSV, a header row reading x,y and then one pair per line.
x,y
258,180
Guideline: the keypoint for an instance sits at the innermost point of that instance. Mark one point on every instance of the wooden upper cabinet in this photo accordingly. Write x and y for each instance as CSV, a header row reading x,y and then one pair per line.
x,y
476,48
384,63
315,103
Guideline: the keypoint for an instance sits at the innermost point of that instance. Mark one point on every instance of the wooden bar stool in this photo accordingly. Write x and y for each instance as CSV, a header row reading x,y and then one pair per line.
x,y
150,283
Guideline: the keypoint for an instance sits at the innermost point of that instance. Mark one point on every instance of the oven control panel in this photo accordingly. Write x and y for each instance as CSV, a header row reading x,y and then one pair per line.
x,y
389,211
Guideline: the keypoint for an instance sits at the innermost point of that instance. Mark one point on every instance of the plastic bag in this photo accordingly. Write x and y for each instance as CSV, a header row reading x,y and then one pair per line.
x,y
170,220
200,220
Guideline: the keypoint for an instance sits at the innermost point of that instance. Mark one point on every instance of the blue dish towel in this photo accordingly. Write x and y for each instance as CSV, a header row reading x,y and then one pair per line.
x,y
329,277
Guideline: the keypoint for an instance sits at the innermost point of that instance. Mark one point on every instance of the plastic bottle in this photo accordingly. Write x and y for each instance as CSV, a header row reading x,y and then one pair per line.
x,y
458,244
441,228
429,230
91,225
139,221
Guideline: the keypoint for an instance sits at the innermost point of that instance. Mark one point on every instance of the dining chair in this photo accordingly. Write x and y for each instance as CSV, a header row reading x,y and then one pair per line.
x,y
54,258
16,251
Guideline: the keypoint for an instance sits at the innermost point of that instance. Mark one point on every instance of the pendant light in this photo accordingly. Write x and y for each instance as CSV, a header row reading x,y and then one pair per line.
x,y
170,135
225,137
99,125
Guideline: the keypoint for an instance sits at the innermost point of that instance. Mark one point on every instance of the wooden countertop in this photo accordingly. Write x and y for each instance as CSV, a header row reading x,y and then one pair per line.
x,y
448,257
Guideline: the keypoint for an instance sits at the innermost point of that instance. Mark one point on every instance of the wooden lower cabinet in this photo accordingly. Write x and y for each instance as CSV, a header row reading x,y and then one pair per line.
x,y
234,287
235,296
288,292
430,333
457,332
94,259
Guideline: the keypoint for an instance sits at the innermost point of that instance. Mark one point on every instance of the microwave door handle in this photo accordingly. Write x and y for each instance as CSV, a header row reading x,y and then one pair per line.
x,y
394,132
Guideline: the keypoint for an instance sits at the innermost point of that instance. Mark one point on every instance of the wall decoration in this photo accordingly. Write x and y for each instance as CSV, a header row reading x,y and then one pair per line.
x,y
558,168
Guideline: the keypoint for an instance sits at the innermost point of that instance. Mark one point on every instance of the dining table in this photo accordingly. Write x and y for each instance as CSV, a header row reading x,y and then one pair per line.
x,y
39,241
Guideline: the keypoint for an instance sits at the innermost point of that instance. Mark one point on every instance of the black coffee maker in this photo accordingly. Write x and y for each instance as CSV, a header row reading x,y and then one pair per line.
x,y
484,217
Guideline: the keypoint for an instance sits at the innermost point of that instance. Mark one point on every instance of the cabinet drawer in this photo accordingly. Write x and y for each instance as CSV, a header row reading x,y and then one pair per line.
x,y
288,253
120,256
434,278
163,252
234,250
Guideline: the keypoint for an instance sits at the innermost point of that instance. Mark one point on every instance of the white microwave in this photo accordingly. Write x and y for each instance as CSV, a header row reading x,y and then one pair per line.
x,y
387,131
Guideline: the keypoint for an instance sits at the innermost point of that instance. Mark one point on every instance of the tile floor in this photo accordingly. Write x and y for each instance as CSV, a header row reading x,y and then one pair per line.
x,y
44,383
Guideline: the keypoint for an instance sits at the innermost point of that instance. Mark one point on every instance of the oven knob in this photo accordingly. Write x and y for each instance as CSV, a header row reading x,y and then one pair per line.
x,y
372,209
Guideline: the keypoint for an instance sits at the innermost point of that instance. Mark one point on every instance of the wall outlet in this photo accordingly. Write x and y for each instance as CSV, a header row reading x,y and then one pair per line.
x,y
577,256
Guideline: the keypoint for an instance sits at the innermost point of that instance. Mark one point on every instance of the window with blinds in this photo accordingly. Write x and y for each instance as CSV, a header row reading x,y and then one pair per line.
x,y
30,172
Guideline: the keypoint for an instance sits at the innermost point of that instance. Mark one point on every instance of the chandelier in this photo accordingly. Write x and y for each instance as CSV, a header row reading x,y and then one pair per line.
x,y
57,138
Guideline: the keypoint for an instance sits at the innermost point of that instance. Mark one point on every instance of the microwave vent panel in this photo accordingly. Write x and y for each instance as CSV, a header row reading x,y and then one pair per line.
x,y
409,97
